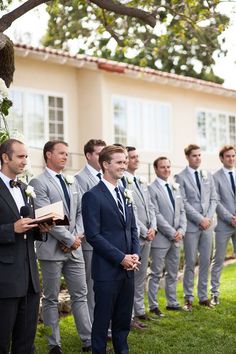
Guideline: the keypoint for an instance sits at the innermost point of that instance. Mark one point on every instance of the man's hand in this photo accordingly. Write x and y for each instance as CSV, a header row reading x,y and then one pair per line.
x,y
64,248
178,236
151,233
130,262
44,227
205,223
23,225
233,221
77,242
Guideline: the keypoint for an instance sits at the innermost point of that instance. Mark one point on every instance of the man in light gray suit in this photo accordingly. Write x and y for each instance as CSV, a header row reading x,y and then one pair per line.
x,y
171,224
226,215
200,201
87,178
146,222
62,254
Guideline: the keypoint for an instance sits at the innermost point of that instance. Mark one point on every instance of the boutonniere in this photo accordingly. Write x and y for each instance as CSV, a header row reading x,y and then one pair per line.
x,y
69,179
204,175
175,186
128,196
30,192
142,180
129,180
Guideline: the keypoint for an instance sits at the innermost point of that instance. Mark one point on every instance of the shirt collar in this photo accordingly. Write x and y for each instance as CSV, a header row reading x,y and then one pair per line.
x,y
161,181
192,171
93,170
5,179
52,173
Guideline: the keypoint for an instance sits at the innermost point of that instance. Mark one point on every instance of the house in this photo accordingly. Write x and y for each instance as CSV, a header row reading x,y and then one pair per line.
x,y
75,98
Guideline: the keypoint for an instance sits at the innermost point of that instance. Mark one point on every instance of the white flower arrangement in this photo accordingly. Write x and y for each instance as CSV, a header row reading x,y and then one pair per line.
x,y
128,196
204,174
175,186
69,179
3,90
5,104
30,192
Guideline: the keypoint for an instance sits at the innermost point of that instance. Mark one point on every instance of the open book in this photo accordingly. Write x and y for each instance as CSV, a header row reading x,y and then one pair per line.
x,y
51,213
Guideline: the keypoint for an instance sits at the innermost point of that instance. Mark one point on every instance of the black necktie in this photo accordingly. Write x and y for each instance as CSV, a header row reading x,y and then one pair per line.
x,y
123,180
170,195
197,180
138,188
13,183
120,205
65,191
99,175
232,181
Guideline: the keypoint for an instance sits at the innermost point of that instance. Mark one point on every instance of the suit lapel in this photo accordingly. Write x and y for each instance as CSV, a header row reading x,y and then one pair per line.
x,y
226,182
90,176
190,178
6,195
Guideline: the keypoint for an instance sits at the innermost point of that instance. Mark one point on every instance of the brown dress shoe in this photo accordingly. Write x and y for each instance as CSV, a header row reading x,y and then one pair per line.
x,y
143,317
56,350
188,306
137,325
206,303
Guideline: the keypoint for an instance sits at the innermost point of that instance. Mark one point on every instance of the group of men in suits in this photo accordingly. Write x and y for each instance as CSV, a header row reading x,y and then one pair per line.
x,y
124,220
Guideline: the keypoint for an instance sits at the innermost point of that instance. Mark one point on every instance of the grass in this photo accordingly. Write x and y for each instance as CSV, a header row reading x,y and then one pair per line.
x,y
204,331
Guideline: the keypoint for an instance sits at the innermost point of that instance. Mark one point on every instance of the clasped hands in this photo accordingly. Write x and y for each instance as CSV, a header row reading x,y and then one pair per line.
x,y
205,223
130,262
74,246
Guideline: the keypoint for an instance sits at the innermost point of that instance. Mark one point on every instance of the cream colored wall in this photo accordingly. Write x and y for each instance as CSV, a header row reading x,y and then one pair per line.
x,y
184,104
88,97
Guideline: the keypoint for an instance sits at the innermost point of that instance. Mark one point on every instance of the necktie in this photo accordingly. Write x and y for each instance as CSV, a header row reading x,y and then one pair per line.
x,y
120,205
232,181
99,175
65,191
137,185
123,181
170,195
197,180
13,183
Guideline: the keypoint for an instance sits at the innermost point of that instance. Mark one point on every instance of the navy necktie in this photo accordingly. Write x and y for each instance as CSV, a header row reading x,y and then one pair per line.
x,y
137,185
170,195
99,175
197,180
232,181
64,188
120,205
123,180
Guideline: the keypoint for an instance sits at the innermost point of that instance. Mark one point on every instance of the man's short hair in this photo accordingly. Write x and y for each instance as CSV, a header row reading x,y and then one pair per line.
x,y
190,148
49,146
130,148
155,163
226,148
7,148
107,152
89,146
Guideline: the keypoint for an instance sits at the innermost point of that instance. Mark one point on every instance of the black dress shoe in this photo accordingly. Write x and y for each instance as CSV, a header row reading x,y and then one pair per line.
x,y
56,350
157,312
143,317
206,303
86,349
174,308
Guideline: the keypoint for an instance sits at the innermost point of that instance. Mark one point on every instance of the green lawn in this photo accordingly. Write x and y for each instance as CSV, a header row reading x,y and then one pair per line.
x,y
204,331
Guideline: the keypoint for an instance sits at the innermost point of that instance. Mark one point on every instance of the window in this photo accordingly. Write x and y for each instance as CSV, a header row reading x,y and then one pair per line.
x,y
215,129
38,116
143,124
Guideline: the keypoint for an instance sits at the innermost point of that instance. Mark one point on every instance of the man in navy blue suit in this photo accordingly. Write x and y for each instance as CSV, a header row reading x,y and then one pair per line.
x,y
110,228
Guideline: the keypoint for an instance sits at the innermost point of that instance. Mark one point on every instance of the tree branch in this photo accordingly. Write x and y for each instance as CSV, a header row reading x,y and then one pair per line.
x,y
6,20
116,7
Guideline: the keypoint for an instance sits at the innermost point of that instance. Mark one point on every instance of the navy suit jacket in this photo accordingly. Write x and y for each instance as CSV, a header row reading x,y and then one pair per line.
x,y
17,254
110,236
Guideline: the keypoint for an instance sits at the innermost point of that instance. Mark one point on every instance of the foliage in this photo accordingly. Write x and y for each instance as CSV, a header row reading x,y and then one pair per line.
x,y
183,42
5,104
204,331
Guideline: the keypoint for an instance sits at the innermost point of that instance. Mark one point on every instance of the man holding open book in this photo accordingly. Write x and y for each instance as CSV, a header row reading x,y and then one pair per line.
x,y
63,254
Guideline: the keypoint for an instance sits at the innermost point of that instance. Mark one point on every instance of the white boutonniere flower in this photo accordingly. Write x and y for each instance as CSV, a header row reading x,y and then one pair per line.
x,y
128,196
3,90
129,180
30,192
175,186
142,180
204,174
69,179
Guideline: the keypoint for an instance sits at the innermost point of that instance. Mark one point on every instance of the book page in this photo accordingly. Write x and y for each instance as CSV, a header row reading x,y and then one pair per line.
x,y
55,208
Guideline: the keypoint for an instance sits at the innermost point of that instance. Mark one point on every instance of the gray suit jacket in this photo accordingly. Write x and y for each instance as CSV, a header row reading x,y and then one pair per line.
x,y
168,220
86,181
144,209
197,205
226,207
47,192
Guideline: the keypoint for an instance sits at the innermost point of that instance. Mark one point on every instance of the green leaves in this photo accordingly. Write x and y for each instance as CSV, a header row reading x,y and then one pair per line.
x,y
5,105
